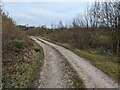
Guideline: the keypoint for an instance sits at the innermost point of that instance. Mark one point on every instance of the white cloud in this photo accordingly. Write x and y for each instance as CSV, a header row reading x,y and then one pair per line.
x,y
25,16
50,13
40,11
45,15
52,16
22,15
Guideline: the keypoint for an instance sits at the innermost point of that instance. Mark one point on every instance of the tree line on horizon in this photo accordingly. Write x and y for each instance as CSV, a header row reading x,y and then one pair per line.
x,y
99,28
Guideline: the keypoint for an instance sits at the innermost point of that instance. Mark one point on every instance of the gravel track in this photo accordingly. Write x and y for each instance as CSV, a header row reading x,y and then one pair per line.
x,y
91,76
53,74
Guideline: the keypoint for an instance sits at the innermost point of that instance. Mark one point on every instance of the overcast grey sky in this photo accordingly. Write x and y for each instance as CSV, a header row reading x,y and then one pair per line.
x,y
47,12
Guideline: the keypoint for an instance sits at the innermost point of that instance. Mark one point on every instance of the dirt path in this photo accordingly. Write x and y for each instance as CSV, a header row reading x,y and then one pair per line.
x,y
92,77
53,73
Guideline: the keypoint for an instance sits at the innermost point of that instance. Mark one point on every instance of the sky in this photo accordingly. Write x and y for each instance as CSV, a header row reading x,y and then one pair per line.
x,y
45,12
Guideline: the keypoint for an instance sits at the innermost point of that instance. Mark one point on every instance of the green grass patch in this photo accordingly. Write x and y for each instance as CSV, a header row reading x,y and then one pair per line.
x,y
105,63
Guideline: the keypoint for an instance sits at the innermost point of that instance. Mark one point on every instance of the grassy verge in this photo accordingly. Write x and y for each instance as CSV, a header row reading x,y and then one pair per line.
x,y
39,56
107,62
21,65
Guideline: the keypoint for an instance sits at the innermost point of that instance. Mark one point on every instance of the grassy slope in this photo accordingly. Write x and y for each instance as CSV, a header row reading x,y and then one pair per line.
x,y
23,72
21,58
108,63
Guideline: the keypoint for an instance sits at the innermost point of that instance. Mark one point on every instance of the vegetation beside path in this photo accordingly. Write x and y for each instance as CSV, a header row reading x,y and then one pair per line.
x,y
21,59
107,62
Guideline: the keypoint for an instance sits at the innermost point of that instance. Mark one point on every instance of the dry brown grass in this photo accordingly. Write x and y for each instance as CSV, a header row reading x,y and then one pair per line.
x,y
19,57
